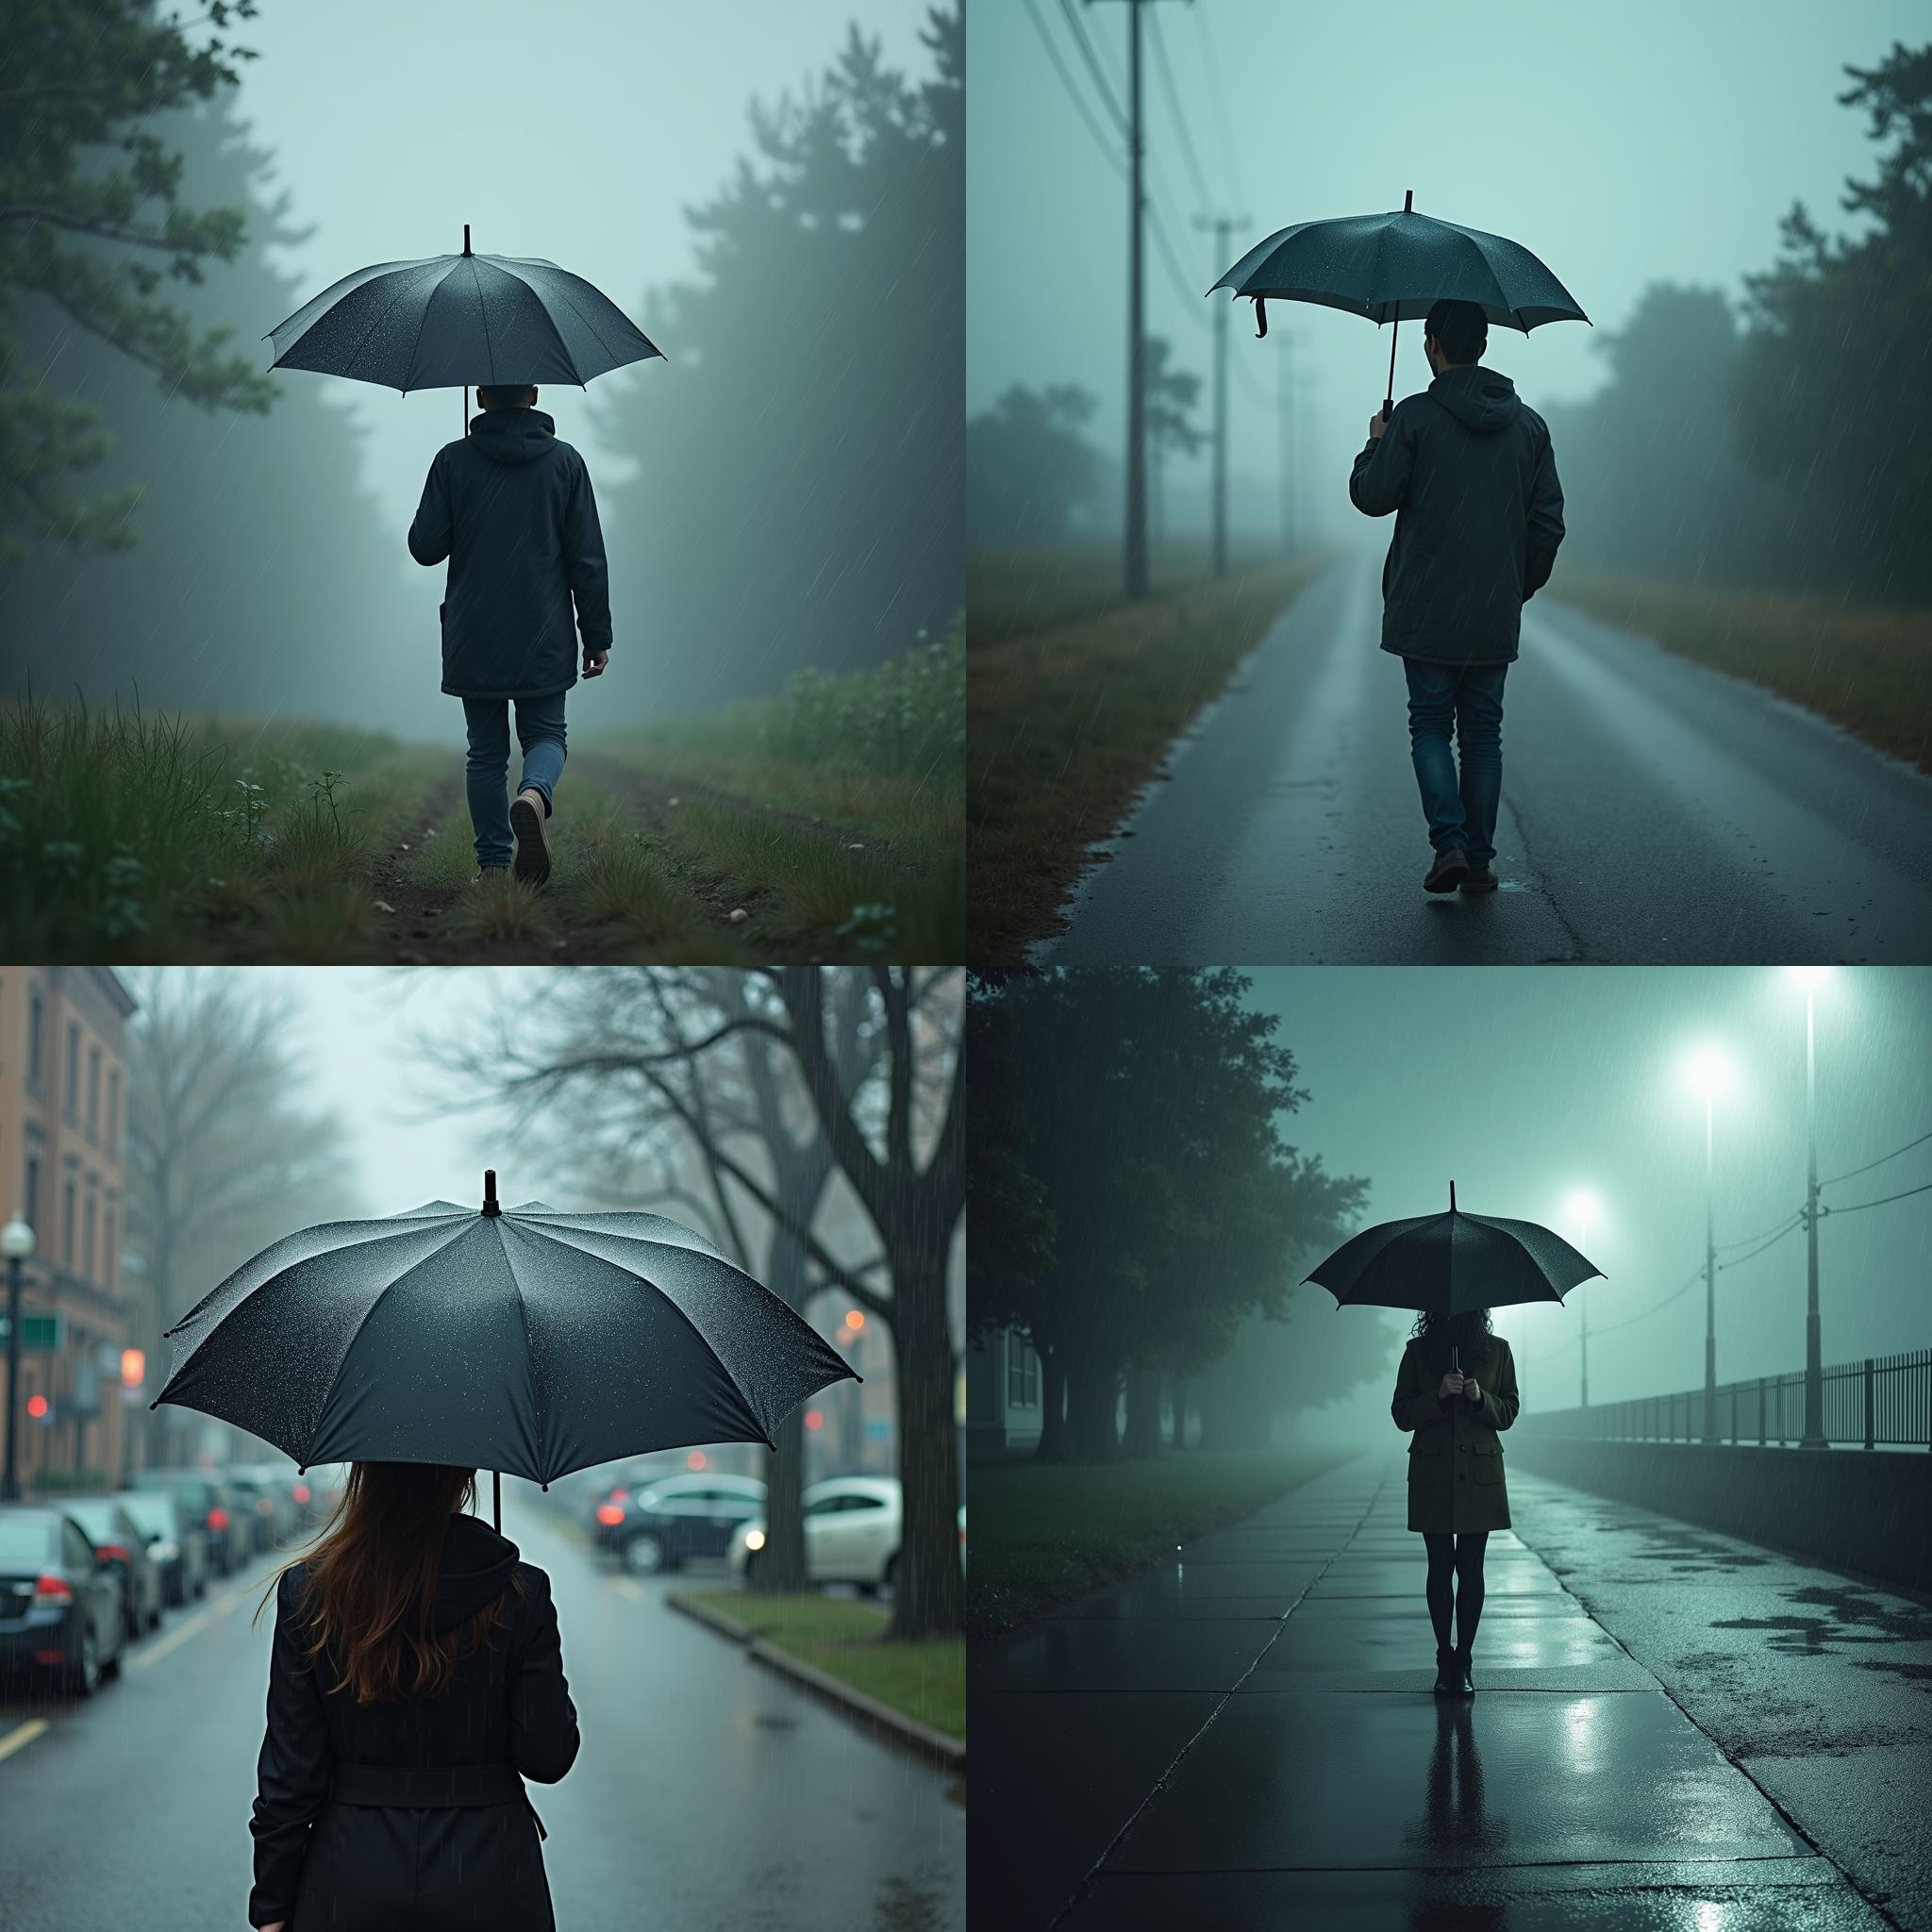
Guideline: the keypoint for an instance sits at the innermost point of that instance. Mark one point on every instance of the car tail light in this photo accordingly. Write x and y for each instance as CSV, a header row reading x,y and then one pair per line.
x,y
609,1514
53,1589
301,1492
616,1495
218,1518
113,1553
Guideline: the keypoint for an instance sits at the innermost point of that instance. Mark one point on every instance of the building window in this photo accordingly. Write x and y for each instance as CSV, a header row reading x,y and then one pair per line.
x,y
87,1233
114,1111
108,1249
36,1017
93,1094
70,1100
1023,1373
31,1206
67,1206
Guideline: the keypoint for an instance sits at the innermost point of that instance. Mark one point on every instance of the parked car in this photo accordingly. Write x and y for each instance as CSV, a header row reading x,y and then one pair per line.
x,y
665,1524
61,1606
255,1510
120,1544
319,1488
179,1545
851,1532
210,1505
276,1482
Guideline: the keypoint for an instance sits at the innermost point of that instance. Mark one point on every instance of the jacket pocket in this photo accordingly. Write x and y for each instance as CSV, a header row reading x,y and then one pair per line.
x,y
1425,1442
1488,1460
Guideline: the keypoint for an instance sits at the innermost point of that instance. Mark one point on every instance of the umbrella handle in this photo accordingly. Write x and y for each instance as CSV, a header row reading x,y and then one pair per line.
x,y
1260,316
496,1499
1388,400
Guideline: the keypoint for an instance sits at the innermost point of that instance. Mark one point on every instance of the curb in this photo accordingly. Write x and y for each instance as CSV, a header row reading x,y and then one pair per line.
x,y
921,1738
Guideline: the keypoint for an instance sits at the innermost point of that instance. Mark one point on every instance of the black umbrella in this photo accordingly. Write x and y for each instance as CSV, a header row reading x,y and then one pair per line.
x,y
520,1340
1451,1263
1399,266
448,320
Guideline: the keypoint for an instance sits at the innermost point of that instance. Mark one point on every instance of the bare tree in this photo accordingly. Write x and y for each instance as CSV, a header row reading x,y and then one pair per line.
x,y
222,1159
724,1060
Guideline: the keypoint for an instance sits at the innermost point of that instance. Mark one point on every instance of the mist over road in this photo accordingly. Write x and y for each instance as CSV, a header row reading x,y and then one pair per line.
x,y
1653,811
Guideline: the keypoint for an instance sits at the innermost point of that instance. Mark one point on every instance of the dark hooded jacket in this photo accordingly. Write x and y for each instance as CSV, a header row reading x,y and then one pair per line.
x,y
337,1842
1466,467
511,508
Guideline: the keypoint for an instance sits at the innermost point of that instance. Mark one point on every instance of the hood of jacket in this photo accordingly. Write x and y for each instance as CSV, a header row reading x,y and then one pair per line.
x,y
512,436
478,1564
1480,399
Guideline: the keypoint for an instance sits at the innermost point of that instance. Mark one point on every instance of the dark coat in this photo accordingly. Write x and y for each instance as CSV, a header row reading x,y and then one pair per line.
x,y
1456,1457
511,508
328,1865
1466,467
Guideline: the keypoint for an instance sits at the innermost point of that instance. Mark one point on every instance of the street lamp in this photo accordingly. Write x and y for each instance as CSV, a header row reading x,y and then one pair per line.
x,y
1813,1438
16,1244
1582,1211
1708,1074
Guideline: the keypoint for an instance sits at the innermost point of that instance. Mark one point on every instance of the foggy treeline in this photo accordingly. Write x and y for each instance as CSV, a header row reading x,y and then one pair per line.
x,y
1137,1217
1755,440
797,501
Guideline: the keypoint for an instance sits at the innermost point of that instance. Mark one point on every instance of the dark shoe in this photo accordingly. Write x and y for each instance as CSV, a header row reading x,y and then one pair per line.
x,y
526,814
1465,1686
1480,879
1446,1673
1450,866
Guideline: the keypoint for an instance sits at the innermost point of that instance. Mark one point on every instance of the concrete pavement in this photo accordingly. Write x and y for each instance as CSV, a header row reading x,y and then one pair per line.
x,y
1669,1731
1653,811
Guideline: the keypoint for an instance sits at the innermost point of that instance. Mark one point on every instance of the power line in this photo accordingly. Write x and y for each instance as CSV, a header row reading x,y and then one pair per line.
x,y
1086,46
1880,1202
1221,120
1879,1162
1180,120
1746,1241
1791,1227
1164,247
1073,94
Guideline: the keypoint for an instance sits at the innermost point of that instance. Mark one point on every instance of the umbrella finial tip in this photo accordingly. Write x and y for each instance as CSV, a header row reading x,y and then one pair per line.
x,y
489,1202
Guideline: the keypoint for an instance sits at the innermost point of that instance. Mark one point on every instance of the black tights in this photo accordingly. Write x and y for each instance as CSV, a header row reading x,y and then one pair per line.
x,y
1464,1555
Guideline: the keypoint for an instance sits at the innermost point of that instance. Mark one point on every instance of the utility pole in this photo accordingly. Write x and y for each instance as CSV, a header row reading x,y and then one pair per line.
x,y
1710,1281
1221,226
1135,547
1814,1437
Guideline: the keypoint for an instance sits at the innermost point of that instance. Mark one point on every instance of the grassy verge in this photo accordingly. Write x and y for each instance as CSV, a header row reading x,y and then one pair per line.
x,y
864,856
1068,721
925,1680
1866,667
1047,1533
131,835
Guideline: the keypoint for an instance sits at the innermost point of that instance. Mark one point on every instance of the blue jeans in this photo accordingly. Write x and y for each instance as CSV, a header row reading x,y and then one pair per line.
x,y
539,731
1465,700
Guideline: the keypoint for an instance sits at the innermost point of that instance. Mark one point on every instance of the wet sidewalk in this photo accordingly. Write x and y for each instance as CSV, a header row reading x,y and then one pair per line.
x,y
1671,1729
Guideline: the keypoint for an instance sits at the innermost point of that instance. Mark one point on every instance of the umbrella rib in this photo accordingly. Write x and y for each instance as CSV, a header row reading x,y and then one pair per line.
x,y
530,1356
483,312
569,361
415,348
563,296
384,317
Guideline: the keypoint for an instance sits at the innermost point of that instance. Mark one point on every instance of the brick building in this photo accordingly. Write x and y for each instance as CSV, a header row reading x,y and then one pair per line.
x,y
63,1124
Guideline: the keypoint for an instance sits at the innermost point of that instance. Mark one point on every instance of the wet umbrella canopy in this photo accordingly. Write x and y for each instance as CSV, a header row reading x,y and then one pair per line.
x,y
1397,266
448,320
518,1340
1452,1263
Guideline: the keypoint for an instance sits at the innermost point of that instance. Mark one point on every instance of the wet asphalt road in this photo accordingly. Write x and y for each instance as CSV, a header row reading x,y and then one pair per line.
x,y
1672,1732
708,1794
1653,811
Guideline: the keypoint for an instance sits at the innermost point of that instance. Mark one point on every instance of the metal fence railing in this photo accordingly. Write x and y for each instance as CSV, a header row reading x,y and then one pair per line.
x,y
1883,1402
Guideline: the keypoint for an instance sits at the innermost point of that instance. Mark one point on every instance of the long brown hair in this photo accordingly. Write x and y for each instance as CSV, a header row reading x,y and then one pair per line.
x,y
1436,1333
370,1598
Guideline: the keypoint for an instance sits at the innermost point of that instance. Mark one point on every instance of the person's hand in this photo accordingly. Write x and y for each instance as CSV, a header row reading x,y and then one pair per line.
x,y
593,667
276,1926
1378,423
1452,1383
1469,1389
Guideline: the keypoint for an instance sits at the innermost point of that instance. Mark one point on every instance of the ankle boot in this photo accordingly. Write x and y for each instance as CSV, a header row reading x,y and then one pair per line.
x,y
1445,1673
1463,1685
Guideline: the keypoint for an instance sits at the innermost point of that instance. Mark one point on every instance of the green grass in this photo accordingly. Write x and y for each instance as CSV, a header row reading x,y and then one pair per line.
x,y
1069,719
1047,1533
925,1678
1866,667
133,835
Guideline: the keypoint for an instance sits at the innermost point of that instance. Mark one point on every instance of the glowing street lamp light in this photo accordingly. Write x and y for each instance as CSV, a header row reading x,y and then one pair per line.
x,y
17,1246
1708,1074
1811,978
1582,1211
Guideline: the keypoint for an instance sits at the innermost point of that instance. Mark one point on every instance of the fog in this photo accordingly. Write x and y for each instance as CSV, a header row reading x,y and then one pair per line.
x,y
1530,1088
762,507
1647,144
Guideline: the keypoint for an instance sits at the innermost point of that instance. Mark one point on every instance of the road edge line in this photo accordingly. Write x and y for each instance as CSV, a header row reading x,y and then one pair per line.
x,y
922,1739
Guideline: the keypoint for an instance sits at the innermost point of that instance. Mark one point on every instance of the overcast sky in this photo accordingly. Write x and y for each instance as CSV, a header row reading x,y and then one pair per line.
x,y
580,133
1529,1086
1623,144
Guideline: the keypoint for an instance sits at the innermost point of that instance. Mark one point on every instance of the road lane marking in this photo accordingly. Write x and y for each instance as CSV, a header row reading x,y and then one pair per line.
x,y
632,1589
21,1734
189,1627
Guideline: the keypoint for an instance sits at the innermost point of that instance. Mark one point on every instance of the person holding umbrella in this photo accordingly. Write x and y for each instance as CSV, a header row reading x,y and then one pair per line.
x,y
1455,1387
415,1682
1457,1490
